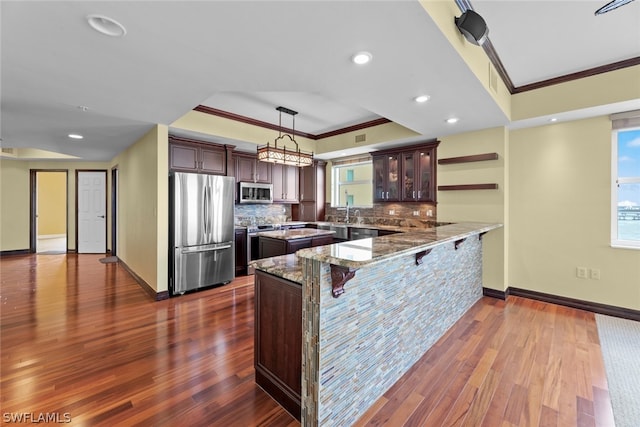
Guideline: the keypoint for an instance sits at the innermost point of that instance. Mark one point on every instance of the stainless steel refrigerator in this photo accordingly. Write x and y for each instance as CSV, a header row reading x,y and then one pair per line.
x,y
202,238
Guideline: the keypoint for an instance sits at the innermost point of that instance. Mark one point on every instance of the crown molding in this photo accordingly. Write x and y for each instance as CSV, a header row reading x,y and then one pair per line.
x,y
267,125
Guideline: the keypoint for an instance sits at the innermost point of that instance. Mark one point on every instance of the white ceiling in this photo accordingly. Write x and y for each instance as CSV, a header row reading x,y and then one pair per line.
x,y
250,57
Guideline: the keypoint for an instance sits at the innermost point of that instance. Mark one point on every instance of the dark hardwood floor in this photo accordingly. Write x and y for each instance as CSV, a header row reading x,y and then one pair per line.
x,y
82,338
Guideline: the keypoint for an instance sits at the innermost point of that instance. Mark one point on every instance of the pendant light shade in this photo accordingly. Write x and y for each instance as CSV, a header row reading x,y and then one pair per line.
x,y
274,154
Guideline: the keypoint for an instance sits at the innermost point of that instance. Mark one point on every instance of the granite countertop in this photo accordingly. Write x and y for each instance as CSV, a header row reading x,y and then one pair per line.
x,y
295,233
285,266
358,253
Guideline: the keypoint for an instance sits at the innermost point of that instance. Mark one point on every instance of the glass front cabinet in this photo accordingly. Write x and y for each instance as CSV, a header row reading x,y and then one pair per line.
x,y
406,174
385,180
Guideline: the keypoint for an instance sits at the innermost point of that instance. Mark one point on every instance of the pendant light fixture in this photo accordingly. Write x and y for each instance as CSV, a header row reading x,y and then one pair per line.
x,y
282,155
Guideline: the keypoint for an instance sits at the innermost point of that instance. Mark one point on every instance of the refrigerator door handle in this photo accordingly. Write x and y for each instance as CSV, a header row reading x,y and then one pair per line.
x,y
205,207
204,213
193,251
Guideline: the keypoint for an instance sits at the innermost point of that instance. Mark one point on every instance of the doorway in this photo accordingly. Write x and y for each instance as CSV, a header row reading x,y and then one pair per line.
x,y
114,211
91,209
48,222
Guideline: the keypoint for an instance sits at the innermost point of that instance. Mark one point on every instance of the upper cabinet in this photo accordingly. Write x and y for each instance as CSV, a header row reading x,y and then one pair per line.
x,y
386,170
285,183
312,192
406,174
249,169
187,155
418,175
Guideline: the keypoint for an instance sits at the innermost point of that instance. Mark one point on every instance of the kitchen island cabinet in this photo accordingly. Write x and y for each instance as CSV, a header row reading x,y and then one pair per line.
x,y
371,308
282,242
278,339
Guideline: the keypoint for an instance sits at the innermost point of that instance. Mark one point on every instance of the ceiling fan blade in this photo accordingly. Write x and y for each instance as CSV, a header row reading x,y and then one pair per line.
x,y
612,5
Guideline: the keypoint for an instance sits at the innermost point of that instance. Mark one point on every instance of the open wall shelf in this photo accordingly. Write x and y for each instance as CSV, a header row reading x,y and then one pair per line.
x,y
468,187
468,159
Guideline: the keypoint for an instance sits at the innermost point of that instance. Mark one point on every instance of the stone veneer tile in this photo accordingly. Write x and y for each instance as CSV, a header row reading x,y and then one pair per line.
x,y
358,345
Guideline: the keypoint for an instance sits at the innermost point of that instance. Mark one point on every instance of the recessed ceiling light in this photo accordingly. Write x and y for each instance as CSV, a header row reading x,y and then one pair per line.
x,y
422,98
452,120
343,154
75,136
362,58
107,26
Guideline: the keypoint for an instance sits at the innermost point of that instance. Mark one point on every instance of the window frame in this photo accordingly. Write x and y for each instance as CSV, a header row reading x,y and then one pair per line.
x,y
335,182
615,181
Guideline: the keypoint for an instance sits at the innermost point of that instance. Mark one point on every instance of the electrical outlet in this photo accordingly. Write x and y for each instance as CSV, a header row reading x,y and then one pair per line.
x,y
429,212
392,212
581,272
595,273
416,213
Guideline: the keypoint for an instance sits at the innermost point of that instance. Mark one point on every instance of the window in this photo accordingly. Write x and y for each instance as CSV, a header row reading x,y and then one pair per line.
x,y
625,214
351,182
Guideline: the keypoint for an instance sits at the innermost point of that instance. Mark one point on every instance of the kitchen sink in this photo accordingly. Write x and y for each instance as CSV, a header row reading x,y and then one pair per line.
x,y
342,231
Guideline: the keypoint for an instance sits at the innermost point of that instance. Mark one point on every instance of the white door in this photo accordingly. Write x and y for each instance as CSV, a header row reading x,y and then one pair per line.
x,y
92,209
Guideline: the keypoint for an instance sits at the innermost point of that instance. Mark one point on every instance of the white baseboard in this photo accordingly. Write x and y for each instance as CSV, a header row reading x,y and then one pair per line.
x,y
50,236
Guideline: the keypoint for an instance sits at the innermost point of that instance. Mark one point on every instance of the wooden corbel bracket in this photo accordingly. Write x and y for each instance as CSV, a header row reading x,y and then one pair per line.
x,y
421,255
457,243
339,276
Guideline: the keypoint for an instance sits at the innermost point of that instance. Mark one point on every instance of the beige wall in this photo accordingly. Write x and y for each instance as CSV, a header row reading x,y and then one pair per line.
x,y
560,177
14,205
479,205
143,208
52,203
14,222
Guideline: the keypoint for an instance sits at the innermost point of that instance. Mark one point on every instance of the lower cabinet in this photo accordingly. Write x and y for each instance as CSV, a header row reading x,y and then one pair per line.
x,y
269,247
278,339
241,252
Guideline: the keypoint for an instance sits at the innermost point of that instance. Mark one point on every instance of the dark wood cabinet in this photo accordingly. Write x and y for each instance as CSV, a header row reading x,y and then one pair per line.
x,y
294,246
241,251
322,240
407,174
386,168
278,339
418,183
312,192
309,211
269,247
249,169
187,155
285,183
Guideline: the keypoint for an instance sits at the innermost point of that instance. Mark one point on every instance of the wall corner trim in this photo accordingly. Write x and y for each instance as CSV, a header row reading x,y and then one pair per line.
x,y
158,296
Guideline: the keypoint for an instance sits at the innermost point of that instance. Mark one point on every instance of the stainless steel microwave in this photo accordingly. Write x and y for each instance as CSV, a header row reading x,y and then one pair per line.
x,y
255,192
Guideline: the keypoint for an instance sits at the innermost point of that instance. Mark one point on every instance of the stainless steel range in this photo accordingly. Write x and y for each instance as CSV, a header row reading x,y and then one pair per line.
x,y
252,242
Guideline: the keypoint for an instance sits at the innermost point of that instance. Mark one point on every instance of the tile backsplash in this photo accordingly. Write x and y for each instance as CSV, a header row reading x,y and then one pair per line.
x,y
257,214
396,214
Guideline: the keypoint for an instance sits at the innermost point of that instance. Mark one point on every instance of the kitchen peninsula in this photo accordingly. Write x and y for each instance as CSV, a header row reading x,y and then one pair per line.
x,y
362,313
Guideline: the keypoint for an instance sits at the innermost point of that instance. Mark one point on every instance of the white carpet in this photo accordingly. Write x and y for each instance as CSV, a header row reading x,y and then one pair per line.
x,y
620,343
